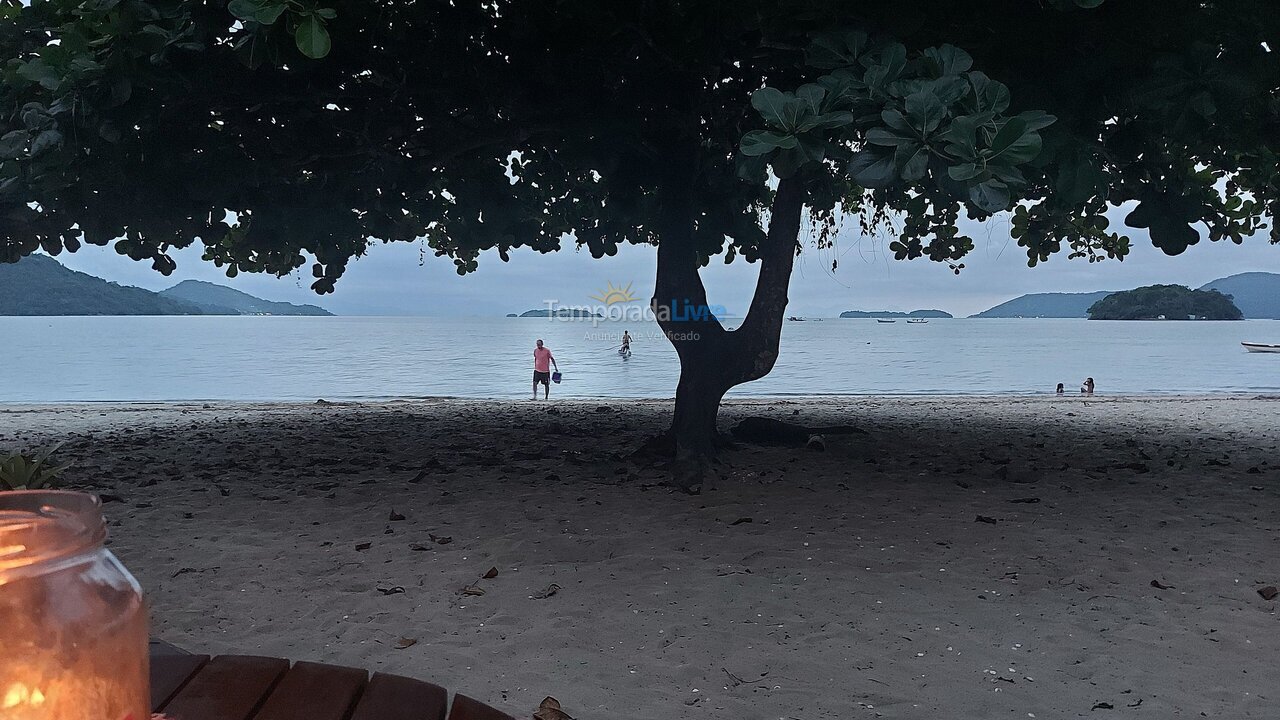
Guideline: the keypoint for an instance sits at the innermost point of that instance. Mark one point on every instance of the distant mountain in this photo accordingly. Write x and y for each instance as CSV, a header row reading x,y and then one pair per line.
x,y
891,314
40,285
221,300
561,313
1257,294
1046,305
1165,302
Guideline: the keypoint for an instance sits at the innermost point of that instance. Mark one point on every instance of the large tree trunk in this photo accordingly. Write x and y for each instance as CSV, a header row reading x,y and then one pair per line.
x,y
712,359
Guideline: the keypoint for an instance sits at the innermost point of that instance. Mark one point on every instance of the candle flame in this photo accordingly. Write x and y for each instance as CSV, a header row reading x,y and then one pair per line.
x,y
19,694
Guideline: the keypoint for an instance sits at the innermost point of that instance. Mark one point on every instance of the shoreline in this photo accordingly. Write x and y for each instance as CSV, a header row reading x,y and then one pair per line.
x,y
1260,394
964,557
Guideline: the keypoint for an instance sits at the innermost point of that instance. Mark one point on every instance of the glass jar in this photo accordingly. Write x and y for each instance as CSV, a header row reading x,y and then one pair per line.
x,y
73,626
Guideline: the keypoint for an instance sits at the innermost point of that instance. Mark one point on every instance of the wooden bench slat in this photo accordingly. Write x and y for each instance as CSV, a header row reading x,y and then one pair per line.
x,y
392,697
228,687
464,708
169,673
311,691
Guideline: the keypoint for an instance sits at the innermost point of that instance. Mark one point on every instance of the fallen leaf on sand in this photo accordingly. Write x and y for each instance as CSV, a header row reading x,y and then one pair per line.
x,y
985,519
364,546
491,574
1269,592
393,590
741,520
419,547
550,710
1027,500
405,642
440,539
543,594
395,516
1160,586
1103,706
473,590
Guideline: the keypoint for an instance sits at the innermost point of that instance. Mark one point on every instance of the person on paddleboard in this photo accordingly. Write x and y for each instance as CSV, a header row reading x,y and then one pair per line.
x,y
626,343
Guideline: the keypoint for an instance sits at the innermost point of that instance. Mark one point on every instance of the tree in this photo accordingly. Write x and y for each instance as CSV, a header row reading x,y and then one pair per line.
x,y
284,133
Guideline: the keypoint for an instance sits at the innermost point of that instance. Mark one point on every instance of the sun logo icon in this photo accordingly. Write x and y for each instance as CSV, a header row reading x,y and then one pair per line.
x,y
612,295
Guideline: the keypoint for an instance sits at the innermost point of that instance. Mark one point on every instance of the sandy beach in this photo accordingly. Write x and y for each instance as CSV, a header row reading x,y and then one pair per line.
x,y
964,558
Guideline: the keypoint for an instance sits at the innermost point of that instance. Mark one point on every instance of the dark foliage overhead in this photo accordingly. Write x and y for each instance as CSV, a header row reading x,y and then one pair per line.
x,y
280,134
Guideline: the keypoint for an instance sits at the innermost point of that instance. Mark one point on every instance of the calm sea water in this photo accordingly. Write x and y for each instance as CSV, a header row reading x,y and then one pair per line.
x,y
78,359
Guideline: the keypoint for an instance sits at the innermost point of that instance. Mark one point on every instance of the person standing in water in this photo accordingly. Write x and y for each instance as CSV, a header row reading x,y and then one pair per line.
x,y
626,342
543,361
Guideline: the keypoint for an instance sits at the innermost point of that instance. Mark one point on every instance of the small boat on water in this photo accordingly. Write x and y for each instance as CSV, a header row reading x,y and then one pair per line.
x,y
1261,347
917,321
885,321
793,318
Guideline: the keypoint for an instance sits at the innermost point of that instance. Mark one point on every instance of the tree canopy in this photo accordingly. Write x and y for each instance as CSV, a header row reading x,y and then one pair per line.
x,y
284,133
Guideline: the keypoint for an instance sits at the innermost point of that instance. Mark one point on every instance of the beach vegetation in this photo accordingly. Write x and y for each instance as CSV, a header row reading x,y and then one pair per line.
x,y
31,470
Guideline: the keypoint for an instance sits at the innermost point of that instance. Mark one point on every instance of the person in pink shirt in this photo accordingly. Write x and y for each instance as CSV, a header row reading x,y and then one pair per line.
x,y
543,361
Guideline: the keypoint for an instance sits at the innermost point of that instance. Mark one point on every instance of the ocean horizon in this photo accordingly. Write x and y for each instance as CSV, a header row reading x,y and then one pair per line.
x,y
293,359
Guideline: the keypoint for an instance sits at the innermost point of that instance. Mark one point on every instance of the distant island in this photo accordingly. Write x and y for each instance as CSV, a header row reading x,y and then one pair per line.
x,y
891,314
1046,305
560,313
38,285
1165,302
1257,294
221,300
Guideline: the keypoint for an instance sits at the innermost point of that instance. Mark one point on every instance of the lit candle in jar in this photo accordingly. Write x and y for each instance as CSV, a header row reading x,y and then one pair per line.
x,y
73,628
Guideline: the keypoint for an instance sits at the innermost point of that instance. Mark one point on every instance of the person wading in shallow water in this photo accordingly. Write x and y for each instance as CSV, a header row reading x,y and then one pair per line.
x,y
543,361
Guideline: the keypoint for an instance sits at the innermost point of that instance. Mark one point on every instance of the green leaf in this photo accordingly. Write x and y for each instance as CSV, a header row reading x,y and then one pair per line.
x,y
991,196
46,140
988,95
1009,133
843,88
963,172
763,142
14,144
1089,4
885,137
246,10
949,89
835,50
962,135
771,104
1202,103
925,111
832,120
1037,119
873,168
269,13
896,120
327,13
913,160
38,71
312,38
949,59
811,95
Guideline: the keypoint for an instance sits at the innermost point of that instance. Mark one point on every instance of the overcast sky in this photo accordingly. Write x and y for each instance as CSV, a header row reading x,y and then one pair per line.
x,y
390,281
